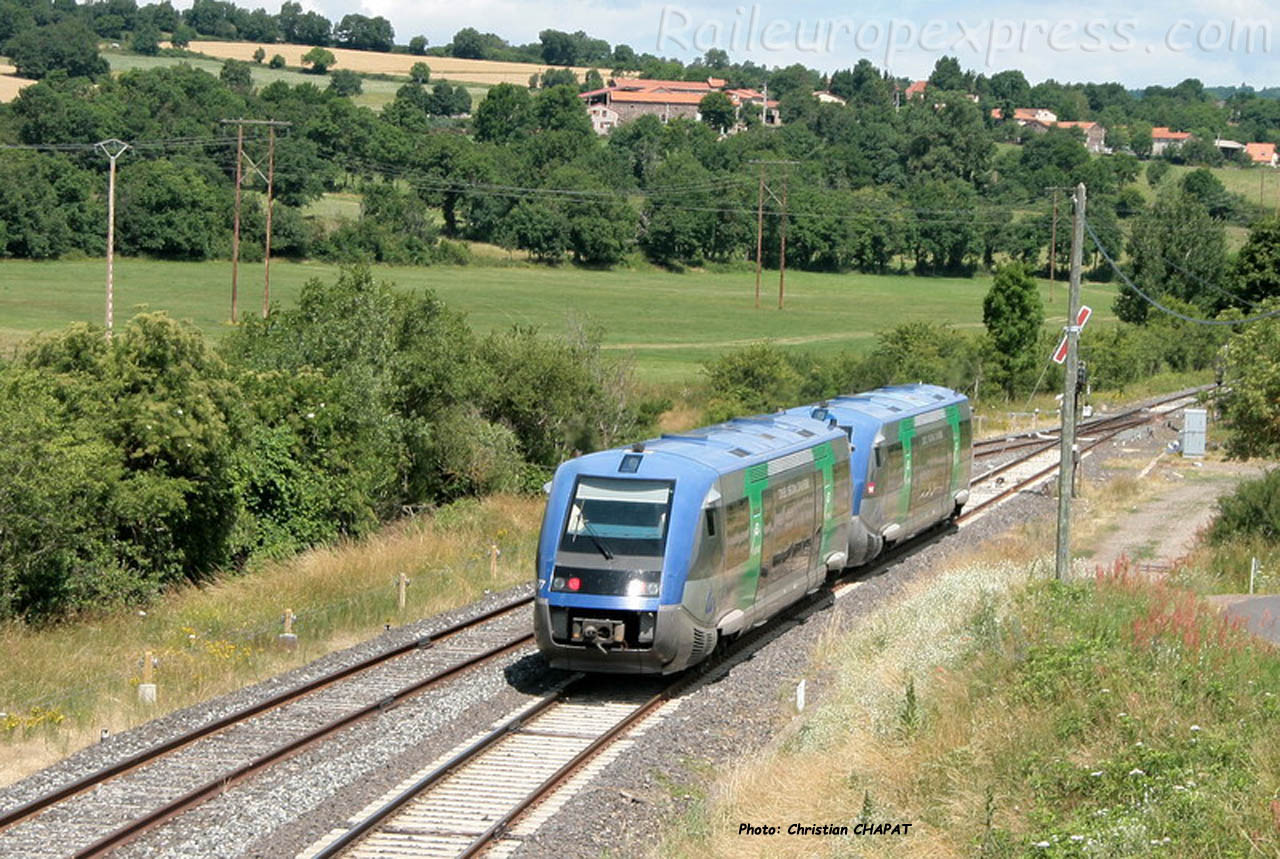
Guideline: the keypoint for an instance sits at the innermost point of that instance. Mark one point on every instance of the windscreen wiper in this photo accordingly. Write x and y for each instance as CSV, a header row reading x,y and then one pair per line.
x,y
599,544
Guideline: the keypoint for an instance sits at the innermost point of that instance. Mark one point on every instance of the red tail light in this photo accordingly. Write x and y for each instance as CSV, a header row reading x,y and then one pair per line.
x,y
871,488
574,583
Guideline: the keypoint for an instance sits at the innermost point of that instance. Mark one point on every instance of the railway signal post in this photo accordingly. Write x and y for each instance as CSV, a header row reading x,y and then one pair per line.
x,y
1066,459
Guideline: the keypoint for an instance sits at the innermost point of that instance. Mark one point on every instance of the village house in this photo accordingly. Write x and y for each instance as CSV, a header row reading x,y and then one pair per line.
x,y
1162,138
1095,136
626,98
1263,154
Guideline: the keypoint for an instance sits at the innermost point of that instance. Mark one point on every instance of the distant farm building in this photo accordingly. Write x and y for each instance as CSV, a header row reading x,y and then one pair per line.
x,y
1162,138
625,99
1039,119
1262,153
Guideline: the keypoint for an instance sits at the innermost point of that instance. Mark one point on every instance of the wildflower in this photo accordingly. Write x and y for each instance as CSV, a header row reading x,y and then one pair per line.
x,y
1077,838
1096,773
1104,691
1121,715
1195,728
310,415
1042,844
1136,771
1138,744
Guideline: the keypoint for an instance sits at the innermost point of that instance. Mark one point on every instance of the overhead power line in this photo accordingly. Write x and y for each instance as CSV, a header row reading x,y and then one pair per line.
x,y
1147,298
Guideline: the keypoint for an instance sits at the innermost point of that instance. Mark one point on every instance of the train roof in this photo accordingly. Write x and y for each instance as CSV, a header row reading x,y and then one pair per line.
x,y
895,402
729,446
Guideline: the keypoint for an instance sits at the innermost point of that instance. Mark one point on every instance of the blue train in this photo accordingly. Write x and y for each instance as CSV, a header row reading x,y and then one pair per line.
x,y
650,555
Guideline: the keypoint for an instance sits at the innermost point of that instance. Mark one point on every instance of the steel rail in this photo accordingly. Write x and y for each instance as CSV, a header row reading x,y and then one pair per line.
x,y
139,825
21,812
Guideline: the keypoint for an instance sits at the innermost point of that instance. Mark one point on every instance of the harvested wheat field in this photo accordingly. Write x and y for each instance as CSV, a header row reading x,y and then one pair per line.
x,y
10,83
374,62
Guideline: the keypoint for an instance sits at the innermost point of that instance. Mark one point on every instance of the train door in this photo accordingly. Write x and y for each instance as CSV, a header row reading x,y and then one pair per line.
x,y
792,531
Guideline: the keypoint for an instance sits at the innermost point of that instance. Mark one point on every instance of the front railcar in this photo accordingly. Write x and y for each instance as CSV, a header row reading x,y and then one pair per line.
x,y
618,540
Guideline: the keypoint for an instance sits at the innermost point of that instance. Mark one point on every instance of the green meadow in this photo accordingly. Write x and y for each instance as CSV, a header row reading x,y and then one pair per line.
x,y
669,323
377,92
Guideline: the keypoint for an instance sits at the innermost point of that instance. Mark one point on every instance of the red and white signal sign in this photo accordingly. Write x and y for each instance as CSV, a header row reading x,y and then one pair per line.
x,y
1060,354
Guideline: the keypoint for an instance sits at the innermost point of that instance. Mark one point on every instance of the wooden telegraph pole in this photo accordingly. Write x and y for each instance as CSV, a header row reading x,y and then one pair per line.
x,y
759,234
113,149
1066,461
269,178
782,227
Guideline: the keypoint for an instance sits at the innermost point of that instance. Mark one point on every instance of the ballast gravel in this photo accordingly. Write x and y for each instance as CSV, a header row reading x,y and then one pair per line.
x,y
732,712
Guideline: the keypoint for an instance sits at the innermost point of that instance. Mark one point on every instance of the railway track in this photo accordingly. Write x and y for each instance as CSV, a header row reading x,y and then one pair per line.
x,y
478,797
1036,465
984,448
110,806
481,796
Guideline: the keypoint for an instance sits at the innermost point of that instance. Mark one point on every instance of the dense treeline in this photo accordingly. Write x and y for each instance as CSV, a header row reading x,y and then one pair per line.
x,y
920,187
153,458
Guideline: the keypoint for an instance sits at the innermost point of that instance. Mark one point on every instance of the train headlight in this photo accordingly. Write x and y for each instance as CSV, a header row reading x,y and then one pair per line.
x,y
641,588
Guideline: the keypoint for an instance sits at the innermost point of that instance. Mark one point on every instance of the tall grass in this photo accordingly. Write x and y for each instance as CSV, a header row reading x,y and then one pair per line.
x,y
1004,714
59,687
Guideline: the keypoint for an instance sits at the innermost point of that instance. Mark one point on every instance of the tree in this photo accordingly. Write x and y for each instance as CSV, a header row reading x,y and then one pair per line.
x,y
277,61
182,35
168,210
506,114
146,39
468,43
346,82
1209,190
420,73
1257,266
259,54
418,45
68,45
1176,249
1013,315
236,75
1252,376
949,77
718,111
319,59
539,228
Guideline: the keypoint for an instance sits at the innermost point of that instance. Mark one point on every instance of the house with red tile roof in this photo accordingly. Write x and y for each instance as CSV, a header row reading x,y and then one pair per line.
x,y
1262,153
1162,138
1095,136
1028,115
626,98
916,90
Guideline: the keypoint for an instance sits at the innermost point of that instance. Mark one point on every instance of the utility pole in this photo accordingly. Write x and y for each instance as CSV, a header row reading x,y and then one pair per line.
x,y
759,234
1066,461
782,244
113,149
269,178
235,229
266,255
782,228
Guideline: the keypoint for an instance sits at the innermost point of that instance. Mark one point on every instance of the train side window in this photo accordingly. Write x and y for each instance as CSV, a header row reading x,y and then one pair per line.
x,y
711,521
879,456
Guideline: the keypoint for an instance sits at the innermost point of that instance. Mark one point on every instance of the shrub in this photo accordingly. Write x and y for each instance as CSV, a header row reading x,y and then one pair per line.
x,y
1252,511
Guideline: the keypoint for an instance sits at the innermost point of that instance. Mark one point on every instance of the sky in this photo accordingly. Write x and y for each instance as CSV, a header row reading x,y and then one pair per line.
x,y
1221,42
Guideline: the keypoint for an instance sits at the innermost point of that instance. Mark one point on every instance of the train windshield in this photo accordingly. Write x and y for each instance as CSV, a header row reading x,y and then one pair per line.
x,y
618,517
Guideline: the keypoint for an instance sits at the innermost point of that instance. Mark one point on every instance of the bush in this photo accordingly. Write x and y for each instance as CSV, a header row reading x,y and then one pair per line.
x,y
1252,511
276,62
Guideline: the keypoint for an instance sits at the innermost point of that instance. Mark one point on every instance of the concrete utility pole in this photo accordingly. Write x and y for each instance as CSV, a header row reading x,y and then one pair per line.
x,y
269,178
113,149
1066,461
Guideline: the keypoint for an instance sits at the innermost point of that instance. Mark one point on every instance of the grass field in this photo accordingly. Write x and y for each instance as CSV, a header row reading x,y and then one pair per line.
x,y
376,93
671,323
